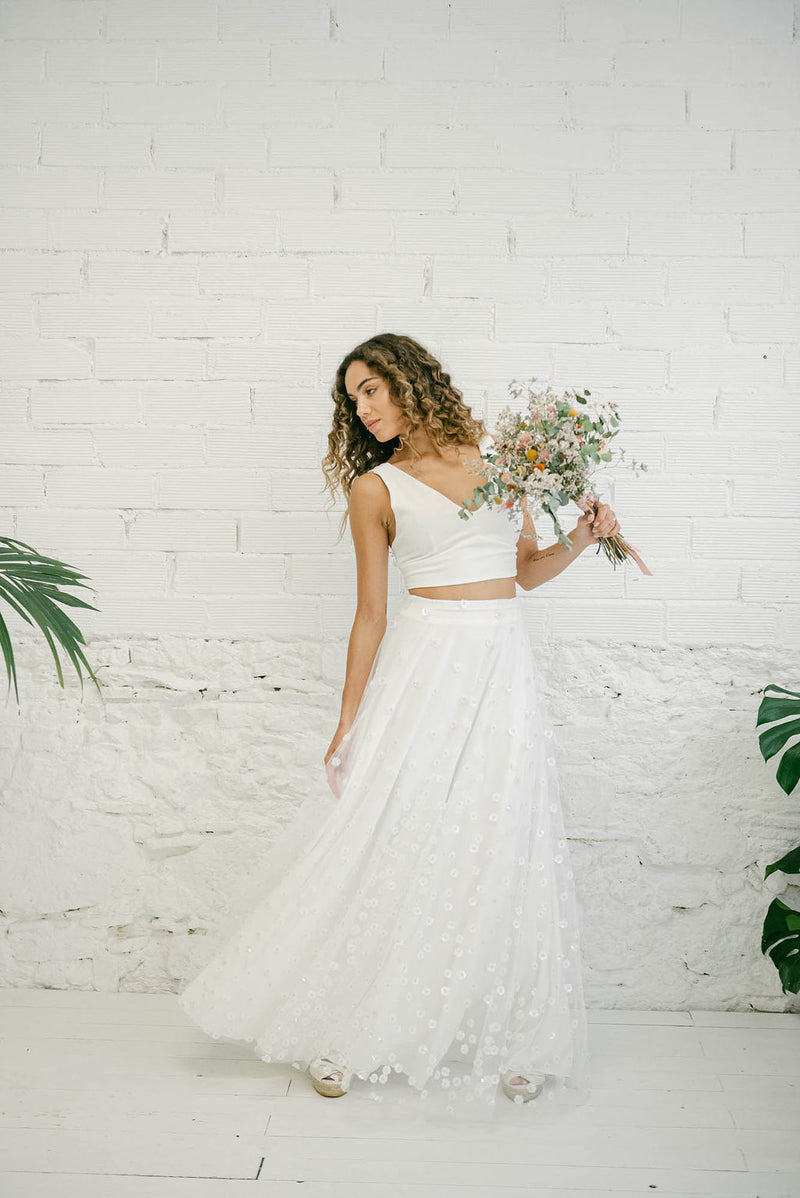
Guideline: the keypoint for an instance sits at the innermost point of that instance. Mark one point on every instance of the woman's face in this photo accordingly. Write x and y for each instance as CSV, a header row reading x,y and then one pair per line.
x,y
374,406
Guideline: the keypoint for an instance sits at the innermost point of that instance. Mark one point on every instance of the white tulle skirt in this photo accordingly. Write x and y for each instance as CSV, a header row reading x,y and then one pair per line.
x,y
417,918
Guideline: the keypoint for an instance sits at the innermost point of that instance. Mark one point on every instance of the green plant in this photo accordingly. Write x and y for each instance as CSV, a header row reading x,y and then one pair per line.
x,y
780,709
30,584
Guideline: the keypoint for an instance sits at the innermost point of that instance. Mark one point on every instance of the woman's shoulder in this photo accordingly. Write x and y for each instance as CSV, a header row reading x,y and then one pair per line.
x,y
368,486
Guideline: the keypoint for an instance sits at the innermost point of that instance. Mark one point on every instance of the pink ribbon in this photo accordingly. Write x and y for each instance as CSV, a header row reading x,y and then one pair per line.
x,y
635,555
586,504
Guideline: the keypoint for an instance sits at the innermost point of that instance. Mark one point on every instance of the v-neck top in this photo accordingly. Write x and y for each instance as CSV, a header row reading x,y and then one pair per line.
x,y
435,546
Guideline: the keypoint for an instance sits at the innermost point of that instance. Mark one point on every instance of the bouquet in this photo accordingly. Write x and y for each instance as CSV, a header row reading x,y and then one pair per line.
x,y
547,455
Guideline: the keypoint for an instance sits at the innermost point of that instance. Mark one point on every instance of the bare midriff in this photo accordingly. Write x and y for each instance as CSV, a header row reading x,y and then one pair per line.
x,y
487,588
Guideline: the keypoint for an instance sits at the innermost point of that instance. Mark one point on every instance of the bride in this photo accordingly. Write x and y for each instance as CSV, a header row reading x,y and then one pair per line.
x,y
420,933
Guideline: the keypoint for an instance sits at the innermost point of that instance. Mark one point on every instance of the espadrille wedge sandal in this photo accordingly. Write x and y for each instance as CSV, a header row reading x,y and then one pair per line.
x,y
328,1078
522,1086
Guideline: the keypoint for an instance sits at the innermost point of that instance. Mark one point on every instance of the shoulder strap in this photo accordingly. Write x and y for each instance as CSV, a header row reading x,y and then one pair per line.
x,y
388,476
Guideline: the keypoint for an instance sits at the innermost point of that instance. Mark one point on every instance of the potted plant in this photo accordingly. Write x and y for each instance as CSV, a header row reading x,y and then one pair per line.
x,y
780,709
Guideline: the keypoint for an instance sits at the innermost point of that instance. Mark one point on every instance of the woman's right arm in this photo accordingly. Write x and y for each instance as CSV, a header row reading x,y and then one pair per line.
x,y
369,524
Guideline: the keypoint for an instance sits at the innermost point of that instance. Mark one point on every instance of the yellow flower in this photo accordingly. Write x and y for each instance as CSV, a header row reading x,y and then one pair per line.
x,y
531,454
572,412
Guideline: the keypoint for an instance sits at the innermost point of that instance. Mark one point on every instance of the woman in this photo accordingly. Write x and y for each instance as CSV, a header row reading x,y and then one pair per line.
x,y
421,934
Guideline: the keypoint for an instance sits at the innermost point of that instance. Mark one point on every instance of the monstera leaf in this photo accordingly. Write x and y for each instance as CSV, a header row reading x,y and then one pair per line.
x,y
781,932
31,585
778,704
781,942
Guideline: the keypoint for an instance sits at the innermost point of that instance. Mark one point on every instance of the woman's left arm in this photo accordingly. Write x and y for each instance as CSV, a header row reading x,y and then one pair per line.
x,y
536,566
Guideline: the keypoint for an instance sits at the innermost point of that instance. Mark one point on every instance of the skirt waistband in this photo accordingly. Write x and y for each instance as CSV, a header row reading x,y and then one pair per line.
x,y
455,610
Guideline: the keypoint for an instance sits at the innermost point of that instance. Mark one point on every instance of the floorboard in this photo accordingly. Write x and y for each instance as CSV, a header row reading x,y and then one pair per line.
x,y
120,1096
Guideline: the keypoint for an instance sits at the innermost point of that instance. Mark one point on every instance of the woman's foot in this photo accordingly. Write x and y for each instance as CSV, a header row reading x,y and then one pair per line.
x,y
521,1087
329,1078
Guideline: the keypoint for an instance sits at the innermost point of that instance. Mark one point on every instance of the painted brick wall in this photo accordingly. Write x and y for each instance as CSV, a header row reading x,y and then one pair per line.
x,y
205,204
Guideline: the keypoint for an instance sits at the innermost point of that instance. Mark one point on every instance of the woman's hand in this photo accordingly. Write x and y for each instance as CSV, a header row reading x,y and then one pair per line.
x,y
592,526
338,737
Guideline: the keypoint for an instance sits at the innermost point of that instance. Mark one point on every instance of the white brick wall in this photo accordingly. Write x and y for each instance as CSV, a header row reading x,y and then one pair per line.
x,y
205,203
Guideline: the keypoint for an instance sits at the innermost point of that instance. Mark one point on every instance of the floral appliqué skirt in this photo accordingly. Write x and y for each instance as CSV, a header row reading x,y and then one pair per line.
x,y
417,918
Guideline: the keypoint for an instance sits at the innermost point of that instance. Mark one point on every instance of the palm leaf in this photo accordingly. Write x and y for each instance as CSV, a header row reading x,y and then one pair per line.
x,y
30,584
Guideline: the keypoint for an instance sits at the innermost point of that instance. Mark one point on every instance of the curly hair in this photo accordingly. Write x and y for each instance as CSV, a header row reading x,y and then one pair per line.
x,y
422,390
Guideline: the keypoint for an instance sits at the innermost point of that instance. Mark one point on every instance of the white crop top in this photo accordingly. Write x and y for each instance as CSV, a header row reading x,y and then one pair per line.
x,y
434,546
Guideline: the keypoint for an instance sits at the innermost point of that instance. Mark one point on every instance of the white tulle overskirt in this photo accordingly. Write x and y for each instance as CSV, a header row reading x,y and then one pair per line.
x,y
417,920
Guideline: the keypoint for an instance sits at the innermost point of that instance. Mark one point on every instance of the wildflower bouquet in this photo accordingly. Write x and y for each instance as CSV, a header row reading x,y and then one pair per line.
x,y
547,456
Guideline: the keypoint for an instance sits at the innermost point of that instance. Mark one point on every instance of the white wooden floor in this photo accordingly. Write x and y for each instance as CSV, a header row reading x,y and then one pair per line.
x,y
119,1096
